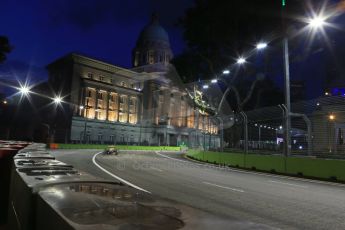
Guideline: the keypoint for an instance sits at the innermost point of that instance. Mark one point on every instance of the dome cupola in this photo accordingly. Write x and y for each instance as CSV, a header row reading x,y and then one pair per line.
x,y
152,46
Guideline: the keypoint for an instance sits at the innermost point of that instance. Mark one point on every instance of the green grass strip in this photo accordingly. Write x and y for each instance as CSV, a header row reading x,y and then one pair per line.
x,y
306,166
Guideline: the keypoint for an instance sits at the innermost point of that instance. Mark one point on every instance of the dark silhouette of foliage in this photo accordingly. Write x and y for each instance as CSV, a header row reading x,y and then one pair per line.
x,y
5,48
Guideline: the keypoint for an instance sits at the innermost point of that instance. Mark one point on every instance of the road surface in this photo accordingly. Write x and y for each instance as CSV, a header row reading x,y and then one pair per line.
x,y
249,200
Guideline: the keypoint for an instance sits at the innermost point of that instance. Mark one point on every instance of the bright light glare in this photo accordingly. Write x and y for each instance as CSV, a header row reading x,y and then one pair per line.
x,y
57,100
261,45
331,117
24,90
226,71
214,81
317,22
241,60
81,107
205,86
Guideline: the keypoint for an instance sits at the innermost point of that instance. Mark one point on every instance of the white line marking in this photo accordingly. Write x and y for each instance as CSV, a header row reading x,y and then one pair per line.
x,y
220,186
255,173
116,177
159,170
295,185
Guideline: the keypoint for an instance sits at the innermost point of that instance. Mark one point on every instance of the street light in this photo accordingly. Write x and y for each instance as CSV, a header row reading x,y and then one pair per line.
x,y
316,22
24,90
214,81
226,71
205,86
261,45
57,100
241,60
331,117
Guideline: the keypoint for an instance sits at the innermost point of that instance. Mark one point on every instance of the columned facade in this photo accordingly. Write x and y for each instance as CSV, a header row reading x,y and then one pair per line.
x,y
114,105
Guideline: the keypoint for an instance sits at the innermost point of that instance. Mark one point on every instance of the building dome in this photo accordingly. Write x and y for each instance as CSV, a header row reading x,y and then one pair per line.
x,y
153,32
152,46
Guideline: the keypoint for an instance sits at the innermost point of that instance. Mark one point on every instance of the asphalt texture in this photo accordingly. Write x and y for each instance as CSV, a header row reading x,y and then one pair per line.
x,y
247,200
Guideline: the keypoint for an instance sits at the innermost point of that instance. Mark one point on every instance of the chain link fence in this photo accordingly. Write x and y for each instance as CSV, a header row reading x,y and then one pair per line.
x,y
317,129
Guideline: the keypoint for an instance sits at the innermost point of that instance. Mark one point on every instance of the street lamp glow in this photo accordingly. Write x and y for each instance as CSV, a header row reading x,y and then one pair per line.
x,y
214,81
226,71
280,127
57,100
24,90
331,117
261,45
317,22
81,107
241,60
205,86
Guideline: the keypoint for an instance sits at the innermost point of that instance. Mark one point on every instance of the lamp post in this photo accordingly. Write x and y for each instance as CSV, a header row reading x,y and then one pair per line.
x,y
316,22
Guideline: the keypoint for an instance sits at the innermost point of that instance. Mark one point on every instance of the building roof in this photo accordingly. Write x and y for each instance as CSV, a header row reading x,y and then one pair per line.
x,y
153,32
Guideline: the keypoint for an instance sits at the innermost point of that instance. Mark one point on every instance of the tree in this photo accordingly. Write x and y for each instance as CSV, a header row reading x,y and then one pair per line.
x,y
5,48
217,32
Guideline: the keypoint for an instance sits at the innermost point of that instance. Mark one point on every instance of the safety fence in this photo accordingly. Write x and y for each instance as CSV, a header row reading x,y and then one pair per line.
x,y
317,129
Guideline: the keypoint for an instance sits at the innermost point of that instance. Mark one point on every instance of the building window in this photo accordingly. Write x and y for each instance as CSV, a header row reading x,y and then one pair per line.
x,y
123,113
90,75
113,107
123,84
101,78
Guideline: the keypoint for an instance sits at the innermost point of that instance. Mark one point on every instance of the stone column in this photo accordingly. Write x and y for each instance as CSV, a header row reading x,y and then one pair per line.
x,y
128,106
96,102
107,105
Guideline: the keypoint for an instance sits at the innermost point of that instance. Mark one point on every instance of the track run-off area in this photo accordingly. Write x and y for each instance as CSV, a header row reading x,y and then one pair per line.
x,y
246,199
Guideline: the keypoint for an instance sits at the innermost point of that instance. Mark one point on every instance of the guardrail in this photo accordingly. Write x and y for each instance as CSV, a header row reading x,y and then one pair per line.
x,y
328,169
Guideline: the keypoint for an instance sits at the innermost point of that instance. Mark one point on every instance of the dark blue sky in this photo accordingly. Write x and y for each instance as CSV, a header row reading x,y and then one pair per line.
x,y
42,31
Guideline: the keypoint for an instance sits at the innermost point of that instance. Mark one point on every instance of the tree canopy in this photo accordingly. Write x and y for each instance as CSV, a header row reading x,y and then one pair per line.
x,y
5,48
217,32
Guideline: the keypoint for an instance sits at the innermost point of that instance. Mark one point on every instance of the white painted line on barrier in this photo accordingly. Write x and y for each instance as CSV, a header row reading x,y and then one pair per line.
x,y
220,186
256,173
283,183
113,175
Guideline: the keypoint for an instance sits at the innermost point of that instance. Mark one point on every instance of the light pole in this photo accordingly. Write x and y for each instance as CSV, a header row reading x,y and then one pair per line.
x,y
315,23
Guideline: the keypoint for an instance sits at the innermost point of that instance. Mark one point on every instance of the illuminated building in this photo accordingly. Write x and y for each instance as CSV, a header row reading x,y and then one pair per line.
x,y
109,104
